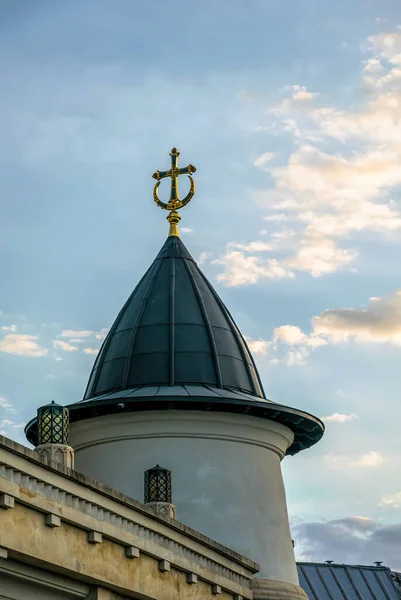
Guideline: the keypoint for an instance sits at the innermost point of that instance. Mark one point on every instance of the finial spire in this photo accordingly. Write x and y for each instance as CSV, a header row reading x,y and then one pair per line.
x,y
174,203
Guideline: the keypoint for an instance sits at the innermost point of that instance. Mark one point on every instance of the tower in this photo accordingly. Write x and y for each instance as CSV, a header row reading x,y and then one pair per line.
x,y
175,384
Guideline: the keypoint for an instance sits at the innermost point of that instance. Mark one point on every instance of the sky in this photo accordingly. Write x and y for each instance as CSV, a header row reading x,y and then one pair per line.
x,y
291,112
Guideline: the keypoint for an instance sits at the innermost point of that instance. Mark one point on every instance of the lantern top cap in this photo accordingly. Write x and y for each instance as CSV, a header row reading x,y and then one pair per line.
x,y
157,468
52,404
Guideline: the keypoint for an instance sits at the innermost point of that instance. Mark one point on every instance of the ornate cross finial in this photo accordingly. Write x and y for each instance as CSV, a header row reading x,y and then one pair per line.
x,y
174,203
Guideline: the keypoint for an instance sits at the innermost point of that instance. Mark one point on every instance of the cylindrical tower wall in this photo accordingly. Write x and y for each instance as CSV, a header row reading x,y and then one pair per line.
x,y
226,475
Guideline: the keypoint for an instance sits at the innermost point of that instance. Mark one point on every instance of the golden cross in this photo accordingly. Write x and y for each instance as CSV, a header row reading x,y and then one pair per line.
x,y
174,202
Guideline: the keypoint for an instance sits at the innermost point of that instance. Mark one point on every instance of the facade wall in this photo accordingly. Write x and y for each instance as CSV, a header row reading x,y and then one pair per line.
x,y
226,474
85,540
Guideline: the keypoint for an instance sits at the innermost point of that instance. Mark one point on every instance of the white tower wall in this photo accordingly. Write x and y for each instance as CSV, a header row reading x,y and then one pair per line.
x,y
226,475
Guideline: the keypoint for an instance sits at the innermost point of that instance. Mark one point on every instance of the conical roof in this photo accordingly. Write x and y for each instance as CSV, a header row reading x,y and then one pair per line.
x,y
175,346
174,330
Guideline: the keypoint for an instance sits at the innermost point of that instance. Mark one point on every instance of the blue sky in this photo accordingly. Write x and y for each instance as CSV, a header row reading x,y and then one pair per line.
x,y
291,111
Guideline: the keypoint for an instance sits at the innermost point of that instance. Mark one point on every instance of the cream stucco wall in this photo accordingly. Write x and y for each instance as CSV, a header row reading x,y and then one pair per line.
x,y
227,480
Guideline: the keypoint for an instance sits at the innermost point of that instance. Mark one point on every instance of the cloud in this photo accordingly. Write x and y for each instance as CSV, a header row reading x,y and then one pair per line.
x,y
391,500
318,256
240,269
334,195
339,418
6,405
379,321
100,335
368,460
263,159
344,167
251,247
296,98
73,333
10,328
90,351
351,540
292,346
258,346
387,44
186,230
60,345
22,345
294,336
278,217
203,258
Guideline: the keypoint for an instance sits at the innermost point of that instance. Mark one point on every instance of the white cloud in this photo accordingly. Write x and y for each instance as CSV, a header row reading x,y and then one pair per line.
x,y
391,500
263,159
22,345
294,336
339,418
297,98
301,94
379,321
6,422
258,346
256,246
60,345
334,195
186,230
370,459
10,328
278,217
90,351
73,333
203,257
76,341
333,192
293,345
387,44
241,269
6,405
100,335
318,256
367,460
50,377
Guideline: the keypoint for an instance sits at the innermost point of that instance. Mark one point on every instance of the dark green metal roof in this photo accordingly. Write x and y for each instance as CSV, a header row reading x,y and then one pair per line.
x,y
174,329
175,346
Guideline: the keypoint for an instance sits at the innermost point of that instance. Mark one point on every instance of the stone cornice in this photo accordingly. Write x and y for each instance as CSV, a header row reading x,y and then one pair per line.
x,y
105,515
104,490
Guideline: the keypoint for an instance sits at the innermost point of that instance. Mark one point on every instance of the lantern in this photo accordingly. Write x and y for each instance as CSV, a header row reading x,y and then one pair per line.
x,y
53,421
157,485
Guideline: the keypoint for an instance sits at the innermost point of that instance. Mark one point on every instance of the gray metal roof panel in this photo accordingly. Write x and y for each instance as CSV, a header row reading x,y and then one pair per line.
x,y
177,390
346,582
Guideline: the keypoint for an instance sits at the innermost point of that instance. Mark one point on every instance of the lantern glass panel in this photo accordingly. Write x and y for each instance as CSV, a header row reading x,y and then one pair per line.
x,y
53,421
157,485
